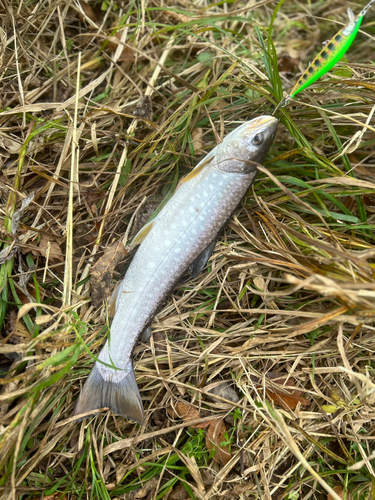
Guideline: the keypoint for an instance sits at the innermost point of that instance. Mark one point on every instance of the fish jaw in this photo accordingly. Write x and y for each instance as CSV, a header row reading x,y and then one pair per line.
x,y
247,146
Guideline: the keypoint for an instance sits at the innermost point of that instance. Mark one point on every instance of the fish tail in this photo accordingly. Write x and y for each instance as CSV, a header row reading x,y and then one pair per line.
x,y
113,390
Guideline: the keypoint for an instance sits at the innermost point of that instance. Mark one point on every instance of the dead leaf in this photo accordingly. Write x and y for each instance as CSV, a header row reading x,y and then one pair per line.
x,y
143,108
241,489
287,400
10,144
7,389
3,44
144,490
7,253
88,10
32,81
341,493
43,319
349,202
19,213
19,333
197,141
360,169
178,493
208,477
102,272
51,248
224,390
181,18
143,215
120,472
16,333
127,52
216,434
187,413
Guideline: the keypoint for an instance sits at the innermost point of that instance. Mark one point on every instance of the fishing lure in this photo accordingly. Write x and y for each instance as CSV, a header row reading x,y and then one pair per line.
x,y
332,52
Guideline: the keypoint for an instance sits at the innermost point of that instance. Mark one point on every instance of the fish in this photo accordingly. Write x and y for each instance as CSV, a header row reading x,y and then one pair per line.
x,y
180,238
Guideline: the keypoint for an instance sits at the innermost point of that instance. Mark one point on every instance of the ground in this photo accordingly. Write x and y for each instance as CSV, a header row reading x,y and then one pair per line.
x,y
104,107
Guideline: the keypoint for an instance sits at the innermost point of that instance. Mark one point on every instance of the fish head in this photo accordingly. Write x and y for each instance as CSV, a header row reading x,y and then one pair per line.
x,y
246,146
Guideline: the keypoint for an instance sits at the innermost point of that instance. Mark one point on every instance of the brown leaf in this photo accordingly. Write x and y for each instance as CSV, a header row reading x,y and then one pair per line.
x,y
341,493
18,333
49,247
240,489
102,272
208,477
187,413
178,493
144,490
120,471
197,136
88,10
288,401
215,436
127,52
360,168
181,18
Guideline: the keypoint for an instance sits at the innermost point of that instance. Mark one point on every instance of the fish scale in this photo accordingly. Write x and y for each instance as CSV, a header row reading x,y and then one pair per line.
x,y
168,245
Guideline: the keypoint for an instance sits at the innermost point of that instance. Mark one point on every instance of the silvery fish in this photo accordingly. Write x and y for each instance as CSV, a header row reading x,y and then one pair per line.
x,y
181,237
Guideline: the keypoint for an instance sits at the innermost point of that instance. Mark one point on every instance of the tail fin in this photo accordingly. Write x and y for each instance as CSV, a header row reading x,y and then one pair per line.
x,y
121,396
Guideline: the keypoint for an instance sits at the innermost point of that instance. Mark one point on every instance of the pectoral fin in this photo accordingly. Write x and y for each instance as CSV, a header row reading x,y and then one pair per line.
x,y
197,266
197,170
112,301
142,234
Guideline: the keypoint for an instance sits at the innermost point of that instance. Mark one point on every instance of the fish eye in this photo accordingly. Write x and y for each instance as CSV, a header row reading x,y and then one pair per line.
x,y
258,139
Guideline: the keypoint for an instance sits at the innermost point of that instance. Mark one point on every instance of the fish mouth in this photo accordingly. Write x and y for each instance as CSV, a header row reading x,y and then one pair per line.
x,y
262,122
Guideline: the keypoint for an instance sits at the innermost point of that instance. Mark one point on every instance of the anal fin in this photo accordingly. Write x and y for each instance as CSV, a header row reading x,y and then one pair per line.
x,y
198,264
146,334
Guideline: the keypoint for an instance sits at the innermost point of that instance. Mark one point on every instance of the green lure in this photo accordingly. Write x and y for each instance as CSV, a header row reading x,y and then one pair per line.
x,y
332,52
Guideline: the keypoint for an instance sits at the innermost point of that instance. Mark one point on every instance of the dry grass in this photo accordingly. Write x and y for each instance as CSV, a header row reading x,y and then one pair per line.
x,y
92,127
